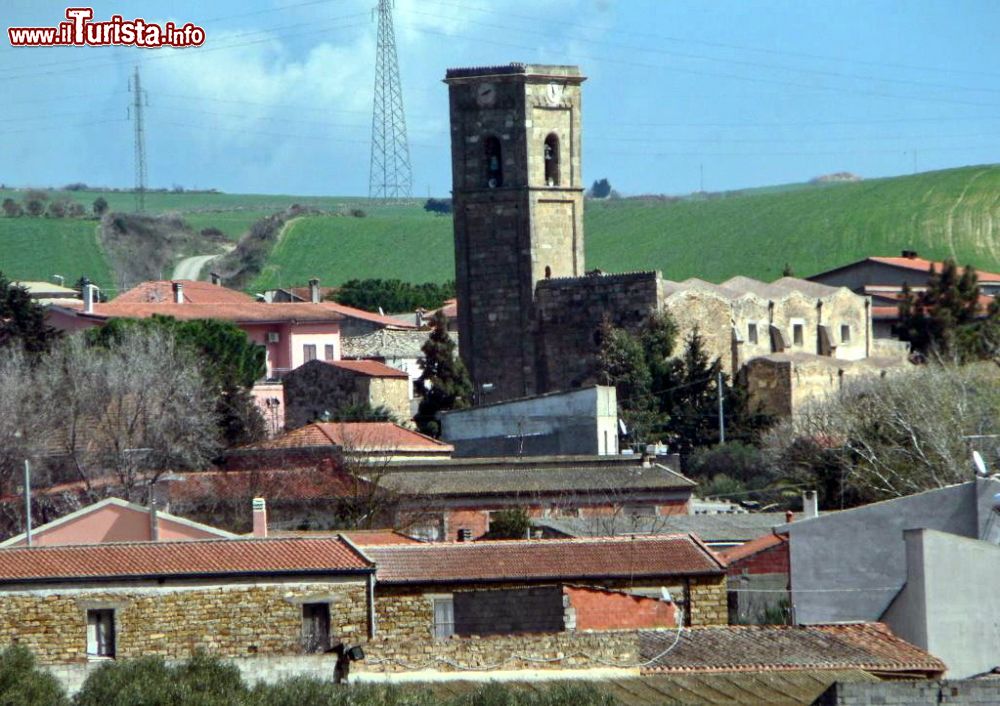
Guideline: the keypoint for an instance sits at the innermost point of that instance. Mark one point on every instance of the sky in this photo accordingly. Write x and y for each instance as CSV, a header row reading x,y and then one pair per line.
x,y
681,95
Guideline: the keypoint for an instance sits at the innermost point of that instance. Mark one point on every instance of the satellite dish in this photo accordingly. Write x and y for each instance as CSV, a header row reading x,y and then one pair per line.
x,y
977,459
622,428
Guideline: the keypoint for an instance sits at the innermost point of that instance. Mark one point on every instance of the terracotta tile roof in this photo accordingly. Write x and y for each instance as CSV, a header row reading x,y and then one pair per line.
x,y
752,547
194,292
360,538
756,648
450,309
304,483
240,312
720,527
922,265
304,294
352,313
198,558
544,559
371,368
363,436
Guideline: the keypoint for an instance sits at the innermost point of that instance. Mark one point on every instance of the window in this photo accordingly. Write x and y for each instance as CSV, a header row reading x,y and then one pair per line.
x,y
752,333
328,352
845,333
444,617
309,352
494,162
552,160
797,334
315,627
101,632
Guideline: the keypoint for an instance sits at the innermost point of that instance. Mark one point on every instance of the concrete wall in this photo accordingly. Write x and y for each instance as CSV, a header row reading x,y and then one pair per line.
x,y
849,565
950,605
912,693
576,422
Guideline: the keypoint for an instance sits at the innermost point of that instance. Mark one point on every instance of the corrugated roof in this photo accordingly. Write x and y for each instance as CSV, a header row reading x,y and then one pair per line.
x,y
355,436
214,557
722,527
472,480
755,648
544,559
371,368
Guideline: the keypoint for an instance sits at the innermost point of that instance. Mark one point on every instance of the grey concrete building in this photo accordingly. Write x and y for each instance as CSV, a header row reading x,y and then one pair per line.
x,y
575,422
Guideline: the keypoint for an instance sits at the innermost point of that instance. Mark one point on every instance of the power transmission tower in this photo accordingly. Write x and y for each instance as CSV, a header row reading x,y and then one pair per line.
x,y
390,177
140,99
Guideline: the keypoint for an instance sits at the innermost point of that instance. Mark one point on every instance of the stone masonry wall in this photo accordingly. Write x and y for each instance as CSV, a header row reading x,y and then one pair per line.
x,y
912,693
173,621
569,311
708,601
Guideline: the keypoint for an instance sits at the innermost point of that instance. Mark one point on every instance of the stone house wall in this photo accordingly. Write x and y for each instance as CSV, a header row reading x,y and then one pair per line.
x,y
174,619
318,387
711,315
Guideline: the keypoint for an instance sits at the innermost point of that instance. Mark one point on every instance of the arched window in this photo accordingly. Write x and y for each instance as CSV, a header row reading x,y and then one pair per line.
x,y
552,160
494,162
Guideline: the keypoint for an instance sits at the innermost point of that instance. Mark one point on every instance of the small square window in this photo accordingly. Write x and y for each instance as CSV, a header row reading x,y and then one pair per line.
x,y
752,333
845,333
101,633
309,352
315,627
797,334
444,617
328,352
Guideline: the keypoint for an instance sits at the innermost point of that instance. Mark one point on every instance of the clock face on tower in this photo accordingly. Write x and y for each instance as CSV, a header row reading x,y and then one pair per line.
x,y
554,93
486,94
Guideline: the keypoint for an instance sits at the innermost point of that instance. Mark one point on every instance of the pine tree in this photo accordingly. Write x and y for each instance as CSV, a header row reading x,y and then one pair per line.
x,y
945,319
444,383
22,320
621,361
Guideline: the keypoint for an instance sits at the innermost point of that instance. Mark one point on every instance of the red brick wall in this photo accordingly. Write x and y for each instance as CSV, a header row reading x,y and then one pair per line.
x,y
611,610
773,560
476,521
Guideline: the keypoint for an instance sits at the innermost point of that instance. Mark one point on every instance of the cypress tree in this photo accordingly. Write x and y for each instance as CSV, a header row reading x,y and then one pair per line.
x,y
444,382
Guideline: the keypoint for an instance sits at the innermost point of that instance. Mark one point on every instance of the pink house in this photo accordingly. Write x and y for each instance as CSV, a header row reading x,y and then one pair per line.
x,y
115,520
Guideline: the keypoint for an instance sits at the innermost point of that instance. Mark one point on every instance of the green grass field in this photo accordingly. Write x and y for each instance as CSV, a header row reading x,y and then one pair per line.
x,y
37,248
949,213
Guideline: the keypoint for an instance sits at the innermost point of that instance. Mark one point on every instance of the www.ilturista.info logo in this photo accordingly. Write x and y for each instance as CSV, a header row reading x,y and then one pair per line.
x,y
79,31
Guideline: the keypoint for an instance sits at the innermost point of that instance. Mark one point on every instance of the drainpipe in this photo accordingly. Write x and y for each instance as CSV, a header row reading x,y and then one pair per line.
x,y
27,502
371,606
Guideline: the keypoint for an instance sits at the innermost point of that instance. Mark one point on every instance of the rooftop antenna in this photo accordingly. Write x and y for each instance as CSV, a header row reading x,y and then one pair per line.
x,y
139,100
390,177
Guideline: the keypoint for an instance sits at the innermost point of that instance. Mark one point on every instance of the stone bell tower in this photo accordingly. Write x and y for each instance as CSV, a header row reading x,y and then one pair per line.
x,y
518,211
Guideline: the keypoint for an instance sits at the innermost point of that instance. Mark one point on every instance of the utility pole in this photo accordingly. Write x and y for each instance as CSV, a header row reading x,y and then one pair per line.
x,y
27,502
722,413
390,177
139,100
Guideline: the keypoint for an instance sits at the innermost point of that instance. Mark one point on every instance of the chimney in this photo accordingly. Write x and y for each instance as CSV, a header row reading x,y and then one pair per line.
x,y
88,298
58,279
259,517
810,504
314,290
216,278
420,317
465,535
789,515
910,254
178,293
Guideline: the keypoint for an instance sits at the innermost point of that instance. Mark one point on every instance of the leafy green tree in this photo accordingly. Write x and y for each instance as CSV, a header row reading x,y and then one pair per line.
x,y
34,207
392,295
12,208
600,189
22,320
100,206
358,412
230,362
621,361
509,524
444,382
23,683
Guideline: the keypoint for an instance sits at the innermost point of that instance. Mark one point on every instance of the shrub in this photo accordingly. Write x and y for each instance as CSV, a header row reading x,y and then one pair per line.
x,y
358,212
34,207
23,683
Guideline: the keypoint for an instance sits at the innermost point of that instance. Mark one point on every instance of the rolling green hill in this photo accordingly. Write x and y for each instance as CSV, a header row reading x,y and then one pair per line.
x,y
949,213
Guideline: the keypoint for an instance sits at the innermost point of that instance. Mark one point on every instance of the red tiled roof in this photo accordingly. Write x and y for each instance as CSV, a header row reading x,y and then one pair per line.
x,y
240,312
214,557
355,436
194,292
763,648
371,368
353,313
360,538
922,265
741,551
545,559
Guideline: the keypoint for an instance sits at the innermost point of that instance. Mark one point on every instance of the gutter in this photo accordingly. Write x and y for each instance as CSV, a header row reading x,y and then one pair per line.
x,y
369,585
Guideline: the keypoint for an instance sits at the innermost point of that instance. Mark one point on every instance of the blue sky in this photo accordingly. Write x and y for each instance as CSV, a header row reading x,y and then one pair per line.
x,y
739,94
